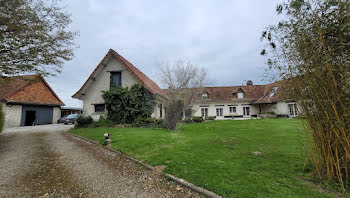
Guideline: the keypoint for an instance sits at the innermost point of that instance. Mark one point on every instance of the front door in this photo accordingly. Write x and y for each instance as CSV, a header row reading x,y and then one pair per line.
x,y
246,111
219,112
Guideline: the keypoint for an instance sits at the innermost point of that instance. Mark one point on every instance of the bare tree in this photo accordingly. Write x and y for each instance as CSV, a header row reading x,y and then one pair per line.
x,y
184,81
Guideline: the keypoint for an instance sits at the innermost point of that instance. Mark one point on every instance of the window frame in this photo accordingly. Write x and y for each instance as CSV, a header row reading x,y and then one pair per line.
x,y
273,91
240,94
246,111
104,108
293,109
204,112
221,112
204,96
231,108
112,79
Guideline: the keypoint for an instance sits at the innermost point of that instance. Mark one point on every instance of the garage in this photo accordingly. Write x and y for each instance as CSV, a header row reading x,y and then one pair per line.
x,y
28,101
36,115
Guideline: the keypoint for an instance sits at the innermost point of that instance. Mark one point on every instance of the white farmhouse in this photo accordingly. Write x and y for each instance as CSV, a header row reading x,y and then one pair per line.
x,y
241,102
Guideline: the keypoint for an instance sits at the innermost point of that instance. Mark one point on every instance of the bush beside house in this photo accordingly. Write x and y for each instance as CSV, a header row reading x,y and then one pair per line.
x,y
83,121
210,118
267,115
197,119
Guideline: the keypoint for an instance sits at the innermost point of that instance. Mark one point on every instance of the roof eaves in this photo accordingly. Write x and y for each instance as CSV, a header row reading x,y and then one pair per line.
x,y
91,75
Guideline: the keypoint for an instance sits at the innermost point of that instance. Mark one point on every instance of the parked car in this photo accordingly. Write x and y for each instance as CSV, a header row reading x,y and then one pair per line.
x,y
61,120
70,119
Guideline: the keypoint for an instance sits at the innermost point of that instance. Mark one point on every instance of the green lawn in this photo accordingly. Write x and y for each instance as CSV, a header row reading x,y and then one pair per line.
x,y
218,155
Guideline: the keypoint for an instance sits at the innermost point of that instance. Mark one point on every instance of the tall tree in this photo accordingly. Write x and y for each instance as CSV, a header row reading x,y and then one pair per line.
x,y
310,50
34,37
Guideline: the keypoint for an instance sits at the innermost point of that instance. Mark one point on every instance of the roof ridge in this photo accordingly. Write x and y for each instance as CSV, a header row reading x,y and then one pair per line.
x,y
24,81
139,75
128,64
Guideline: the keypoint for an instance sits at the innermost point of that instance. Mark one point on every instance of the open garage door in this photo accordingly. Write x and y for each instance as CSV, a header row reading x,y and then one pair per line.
x,y
36,115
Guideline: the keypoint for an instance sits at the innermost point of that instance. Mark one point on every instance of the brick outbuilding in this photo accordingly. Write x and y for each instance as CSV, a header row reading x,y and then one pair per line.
x,y
28,100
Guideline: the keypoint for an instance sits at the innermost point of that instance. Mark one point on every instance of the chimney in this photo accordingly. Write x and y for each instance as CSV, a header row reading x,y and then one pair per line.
x,y
249,82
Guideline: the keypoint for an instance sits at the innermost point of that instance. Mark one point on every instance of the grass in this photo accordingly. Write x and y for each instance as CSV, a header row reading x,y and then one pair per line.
x,y
218,155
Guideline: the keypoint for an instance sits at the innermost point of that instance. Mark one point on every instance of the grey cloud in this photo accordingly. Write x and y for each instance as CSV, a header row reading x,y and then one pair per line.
x,y
222,36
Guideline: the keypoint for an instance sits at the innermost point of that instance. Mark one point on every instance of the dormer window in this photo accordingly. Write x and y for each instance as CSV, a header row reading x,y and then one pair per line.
x,y
240,95
273,91
204,96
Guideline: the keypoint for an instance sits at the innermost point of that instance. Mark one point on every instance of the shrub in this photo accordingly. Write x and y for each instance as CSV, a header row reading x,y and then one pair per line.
x,y
139,122
84,121
148,122
197,119
103,122
210,118
267,112
2,118
159,123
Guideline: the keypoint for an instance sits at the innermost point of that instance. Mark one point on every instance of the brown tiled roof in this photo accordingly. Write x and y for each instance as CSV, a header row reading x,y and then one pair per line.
x,y
143,79
263,100
257,94
30,89
251,93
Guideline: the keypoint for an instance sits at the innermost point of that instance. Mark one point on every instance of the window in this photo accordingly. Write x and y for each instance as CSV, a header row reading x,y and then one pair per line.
x,y
293,111
116,79
219,112
204,112
99,107
232,109
246,111
161,110
273,91
240,95
204,96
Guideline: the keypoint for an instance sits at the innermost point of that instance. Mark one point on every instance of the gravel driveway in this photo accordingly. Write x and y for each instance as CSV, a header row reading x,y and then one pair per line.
x,y
46,162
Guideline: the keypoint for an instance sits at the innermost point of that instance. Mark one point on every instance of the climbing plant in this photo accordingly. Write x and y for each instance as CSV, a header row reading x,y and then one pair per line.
x,y
125,105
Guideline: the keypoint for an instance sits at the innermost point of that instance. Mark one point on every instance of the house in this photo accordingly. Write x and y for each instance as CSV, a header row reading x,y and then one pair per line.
x,y
240,102
70,110
232,102
115,69
28,100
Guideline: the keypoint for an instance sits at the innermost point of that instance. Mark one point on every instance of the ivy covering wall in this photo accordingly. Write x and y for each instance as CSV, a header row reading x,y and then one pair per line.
x,y
125,105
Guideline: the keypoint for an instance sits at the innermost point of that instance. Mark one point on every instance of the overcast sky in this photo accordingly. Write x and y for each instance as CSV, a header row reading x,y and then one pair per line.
x,y
222,36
